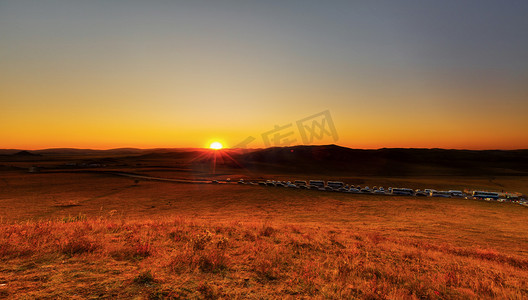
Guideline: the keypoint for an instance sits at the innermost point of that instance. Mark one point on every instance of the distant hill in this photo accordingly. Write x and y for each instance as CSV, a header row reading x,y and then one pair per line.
x,y
19,155
25,153
325,159
9,151
393,161
74,151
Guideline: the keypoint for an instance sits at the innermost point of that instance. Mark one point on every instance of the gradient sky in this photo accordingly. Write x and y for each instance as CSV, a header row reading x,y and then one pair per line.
x,y
107,74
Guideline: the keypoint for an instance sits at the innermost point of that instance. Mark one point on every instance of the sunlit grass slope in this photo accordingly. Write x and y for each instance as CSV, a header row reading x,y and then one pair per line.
x,y
77,257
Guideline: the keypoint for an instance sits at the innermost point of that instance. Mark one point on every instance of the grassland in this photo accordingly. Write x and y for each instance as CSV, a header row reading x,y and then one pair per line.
x,y
98,236
183,258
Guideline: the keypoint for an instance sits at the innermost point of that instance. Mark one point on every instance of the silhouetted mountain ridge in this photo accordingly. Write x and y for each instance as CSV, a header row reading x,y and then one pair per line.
x,y
390,161
321,159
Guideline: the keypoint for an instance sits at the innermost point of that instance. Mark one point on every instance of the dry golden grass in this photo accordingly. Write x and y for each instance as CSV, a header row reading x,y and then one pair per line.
x,y
89,236
185,258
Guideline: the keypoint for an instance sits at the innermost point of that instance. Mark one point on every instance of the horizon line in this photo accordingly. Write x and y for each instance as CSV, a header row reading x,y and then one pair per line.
x,y
257,148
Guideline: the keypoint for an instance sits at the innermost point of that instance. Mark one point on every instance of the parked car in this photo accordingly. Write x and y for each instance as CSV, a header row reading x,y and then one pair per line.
x,y
335,184
402,191
485,195
299,183
319,184
420,193
428,191
442,194
366,190
378,191
455,193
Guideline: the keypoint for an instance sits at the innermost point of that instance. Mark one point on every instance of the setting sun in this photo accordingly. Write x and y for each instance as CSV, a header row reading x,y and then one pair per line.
x,y
216,146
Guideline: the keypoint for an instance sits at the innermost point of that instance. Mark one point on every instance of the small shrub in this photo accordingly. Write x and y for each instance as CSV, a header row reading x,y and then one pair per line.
x,y
265,270
178,236
250,236
299,247
212,262
182,261
145,278
201,240
208,291
222,243
132,252
267,265
78,246
144,249
78,218
267,231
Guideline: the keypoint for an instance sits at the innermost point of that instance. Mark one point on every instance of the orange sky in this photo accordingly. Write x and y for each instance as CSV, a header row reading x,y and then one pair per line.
x,y
182,75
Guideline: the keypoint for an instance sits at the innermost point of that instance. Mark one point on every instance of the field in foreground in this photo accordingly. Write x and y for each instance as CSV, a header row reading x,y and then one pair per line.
x,y
92,235
184,258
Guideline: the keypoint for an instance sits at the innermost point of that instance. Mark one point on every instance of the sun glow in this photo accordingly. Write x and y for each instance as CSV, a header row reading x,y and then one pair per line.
x,y
216,146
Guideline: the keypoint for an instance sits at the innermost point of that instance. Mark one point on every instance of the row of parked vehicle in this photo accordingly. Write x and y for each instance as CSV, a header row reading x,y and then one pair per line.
x,y
338,186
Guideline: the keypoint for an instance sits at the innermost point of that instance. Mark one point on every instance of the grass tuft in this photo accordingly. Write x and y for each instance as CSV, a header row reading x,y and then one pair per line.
x,y
145,278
